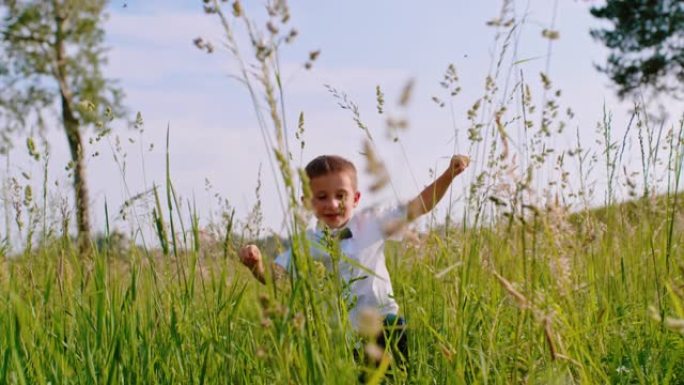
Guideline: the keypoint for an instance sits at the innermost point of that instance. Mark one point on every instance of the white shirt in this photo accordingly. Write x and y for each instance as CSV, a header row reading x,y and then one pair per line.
x,y
370,286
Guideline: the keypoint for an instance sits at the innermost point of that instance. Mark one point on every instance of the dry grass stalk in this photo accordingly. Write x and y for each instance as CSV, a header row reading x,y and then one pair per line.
x,y
375,168
406,93
548,335
520,299
370,323
674,324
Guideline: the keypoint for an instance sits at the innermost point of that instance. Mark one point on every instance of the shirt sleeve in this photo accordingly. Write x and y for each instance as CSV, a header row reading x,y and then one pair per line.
x,y
392,221
283,259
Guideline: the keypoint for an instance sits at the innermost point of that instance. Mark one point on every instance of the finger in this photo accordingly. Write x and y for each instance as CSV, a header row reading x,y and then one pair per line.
x,y
246,255
254,254
244,258
249,262
249,249
249,255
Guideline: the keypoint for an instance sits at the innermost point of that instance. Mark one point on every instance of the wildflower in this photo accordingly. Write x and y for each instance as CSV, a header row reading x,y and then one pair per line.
x,y
622,369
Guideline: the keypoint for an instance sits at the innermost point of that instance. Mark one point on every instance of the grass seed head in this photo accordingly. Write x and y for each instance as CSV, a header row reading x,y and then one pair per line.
x,y
237,9
393,227
266,323
380,97
298,321
406,93
374,352
264,301
370,323
375,167
550,34
261,353
446,352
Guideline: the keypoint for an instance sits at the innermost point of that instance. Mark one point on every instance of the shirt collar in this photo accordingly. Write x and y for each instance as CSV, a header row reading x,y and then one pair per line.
x,y
345,232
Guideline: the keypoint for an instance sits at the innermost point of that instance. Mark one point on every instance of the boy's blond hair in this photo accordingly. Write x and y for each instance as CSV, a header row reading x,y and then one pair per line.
x,y
328,164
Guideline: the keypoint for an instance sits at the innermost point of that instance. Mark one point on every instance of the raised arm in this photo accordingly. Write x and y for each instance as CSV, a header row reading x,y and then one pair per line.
x,y
432,194
250,256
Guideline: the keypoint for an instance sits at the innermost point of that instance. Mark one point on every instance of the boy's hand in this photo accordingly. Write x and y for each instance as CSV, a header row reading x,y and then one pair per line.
x,y
250,256
458,164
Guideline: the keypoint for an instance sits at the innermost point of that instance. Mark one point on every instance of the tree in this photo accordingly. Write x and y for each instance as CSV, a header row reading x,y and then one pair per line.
x,y
646,44
52,56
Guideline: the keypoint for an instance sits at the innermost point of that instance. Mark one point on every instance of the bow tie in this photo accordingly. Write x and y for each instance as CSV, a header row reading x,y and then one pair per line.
x,y
345,233
340,235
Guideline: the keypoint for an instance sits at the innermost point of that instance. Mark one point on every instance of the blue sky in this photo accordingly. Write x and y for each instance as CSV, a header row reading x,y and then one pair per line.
x,y
213,130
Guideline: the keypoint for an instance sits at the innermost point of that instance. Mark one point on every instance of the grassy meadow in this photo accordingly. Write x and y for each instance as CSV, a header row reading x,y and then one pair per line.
x,y
596,297
525,282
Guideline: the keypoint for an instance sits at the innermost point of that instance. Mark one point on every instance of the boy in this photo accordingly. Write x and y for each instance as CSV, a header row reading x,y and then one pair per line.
x,y
334,196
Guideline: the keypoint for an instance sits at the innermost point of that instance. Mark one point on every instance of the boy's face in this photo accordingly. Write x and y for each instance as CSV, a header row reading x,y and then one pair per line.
x,y
333,198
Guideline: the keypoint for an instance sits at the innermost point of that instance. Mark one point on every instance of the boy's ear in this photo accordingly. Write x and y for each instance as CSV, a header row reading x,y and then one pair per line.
x,y
357,197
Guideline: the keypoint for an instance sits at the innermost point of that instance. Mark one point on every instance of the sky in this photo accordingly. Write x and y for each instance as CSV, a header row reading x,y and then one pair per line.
x,y
215,146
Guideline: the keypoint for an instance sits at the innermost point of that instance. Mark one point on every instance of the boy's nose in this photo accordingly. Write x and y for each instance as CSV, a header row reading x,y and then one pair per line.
x,y
333,204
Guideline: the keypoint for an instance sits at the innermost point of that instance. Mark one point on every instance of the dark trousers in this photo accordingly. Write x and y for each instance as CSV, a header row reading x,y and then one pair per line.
x,y
394,334
393,338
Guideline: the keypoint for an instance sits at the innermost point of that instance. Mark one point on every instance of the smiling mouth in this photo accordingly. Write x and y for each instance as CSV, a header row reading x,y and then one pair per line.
x,y
333,216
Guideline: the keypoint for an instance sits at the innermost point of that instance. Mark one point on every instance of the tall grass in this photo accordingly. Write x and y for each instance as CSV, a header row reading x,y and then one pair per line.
x,y
522,290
